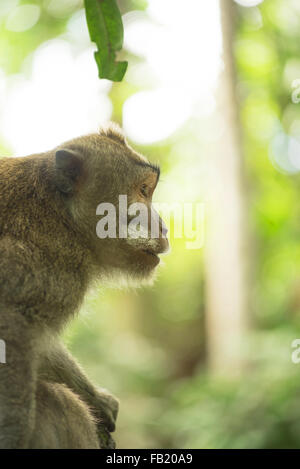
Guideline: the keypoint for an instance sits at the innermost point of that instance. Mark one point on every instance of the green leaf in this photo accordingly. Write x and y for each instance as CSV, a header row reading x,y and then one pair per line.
x,y
106,30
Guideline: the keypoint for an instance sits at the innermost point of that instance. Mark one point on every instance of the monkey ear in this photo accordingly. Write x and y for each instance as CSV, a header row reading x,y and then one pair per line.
x,y
67,170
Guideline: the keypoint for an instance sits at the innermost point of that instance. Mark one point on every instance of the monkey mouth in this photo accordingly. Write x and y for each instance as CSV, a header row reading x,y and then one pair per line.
x,y
151,254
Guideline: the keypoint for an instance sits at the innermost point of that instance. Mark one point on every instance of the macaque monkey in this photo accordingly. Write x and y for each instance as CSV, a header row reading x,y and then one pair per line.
x,y
50,253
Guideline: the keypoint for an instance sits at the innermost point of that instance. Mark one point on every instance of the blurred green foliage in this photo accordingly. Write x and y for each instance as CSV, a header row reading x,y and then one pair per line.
x,y
148,346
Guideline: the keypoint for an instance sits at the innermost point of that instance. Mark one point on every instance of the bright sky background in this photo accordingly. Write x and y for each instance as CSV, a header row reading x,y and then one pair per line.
x,y
181,48
59,95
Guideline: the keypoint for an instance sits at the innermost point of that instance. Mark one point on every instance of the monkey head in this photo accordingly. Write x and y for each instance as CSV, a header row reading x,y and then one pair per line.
x,y
100,175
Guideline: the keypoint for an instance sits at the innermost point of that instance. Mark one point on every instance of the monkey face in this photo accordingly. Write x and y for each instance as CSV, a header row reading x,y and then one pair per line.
x,y
108,179
146,230
139,234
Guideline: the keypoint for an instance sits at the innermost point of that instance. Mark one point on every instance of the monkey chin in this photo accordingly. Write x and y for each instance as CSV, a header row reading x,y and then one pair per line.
x,y
127,279
143,270
134,275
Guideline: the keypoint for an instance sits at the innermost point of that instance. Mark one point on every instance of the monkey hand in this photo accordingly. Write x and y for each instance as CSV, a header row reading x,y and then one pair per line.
x,y
105,438
106,409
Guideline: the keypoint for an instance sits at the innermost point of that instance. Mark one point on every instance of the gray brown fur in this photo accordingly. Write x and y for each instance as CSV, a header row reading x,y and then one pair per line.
x,y
49,255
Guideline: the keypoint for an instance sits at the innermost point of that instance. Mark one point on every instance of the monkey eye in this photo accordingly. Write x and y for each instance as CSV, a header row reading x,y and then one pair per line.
x,y
144,190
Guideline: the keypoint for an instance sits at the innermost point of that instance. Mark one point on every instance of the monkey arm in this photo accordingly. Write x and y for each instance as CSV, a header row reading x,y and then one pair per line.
x,y
58,366
17,381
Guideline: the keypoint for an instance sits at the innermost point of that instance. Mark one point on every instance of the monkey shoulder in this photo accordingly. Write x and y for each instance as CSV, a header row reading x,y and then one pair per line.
x,y
40,288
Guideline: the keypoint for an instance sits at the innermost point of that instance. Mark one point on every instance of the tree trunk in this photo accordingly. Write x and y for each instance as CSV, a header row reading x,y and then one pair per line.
x,y
225,256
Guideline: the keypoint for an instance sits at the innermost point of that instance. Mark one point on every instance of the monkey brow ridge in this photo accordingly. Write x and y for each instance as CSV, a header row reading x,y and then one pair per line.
x,y
154,167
